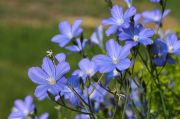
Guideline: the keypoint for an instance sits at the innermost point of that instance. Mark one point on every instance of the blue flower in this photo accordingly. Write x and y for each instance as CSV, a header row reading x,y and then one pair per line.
x,y
49,78
43,116
68,32
78,47
61,57
69,94
129,112
97,93
82,116
173,44
22,108
110,76
154,16
135,94
159,49
137,34
97,36
116,57
80,74
87,68
118,19
155,1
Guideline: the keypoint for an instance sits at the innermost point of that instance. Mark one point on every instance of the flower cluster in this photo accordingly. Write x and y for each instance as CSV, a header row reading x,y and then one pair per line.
x,y
25,109
83,90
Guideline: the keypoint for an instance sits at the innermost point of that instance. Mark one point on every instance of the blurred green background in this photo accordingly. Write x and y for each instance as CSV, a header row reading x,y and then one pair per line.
x,y
26,27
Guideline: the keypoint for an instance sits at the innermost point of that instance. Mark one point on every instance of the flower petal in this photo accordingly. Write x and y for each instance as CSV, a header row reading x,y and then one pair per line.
x,y
146,33
20,105
48,66
73,48
61,57
65,27
146,41
61,69
37,75
117,12
104,63
62,40
76,30
113,48
130,12
123,64
41,91
125,50
112,29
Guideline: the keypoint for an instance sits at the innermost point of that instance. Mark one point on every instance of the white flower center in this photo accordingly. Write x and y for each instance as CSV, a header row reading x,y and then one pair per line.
x,y
89,72
120,21
70,35
115,60
26,112
170,49
51,81
80,74
156,18
159,54
136,38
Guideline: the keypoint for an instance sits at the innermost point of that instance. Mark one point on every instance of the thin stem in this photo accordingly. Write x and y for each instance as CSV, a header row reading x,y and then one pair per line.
x,y
124,107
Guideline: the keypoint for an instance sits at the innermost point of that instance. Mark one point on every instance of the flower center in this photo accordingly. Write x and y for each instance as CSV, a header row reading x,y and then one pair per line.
x,y
136,38
115,60
156,18
120,21
159,54
70,35
51,81
26,112
80,74
89,72
170,49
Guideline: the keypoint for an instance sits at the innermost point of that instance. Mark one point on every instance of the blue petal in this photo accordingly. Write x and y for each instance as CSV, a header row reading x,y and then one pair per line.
x,y
145,33
61,57
146,41
123,64
117,12
97,36
112,29
41,91
113,48
18,115
81,74
73,48
130,12
29,103
104,63
62,40
48,66
65,27
108,21
62,69
44,116
171,39
124,36
125,50
85,65
37,75
20,105
74,81
76,30
166,12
